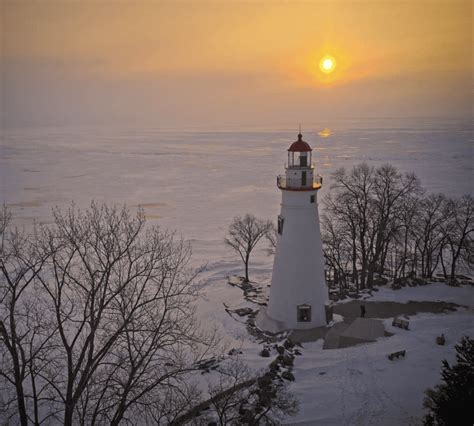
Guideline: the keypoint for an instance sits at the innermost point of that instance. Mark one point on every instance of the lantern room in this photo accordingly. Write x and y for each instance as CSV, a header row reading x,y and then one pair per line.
x,y
299,153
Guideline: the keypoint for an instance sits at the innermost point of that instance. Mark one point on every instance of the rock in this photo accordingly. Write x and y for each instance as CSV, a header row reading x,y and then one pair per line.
x,y
288,344
280,350
288,360
274,366
206,364
242,312
297,352
265,353
264,381
273,374
287,375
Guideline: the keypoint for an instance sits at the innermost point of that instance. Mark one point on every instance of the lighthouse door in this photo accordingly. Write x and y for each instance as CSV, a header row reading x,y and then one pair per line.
x,y
303,178
304,313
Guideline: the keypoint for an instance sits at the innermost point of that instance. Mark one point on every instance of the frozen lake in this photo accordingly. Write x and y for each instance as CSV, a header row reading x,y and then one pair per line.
x,y
196,180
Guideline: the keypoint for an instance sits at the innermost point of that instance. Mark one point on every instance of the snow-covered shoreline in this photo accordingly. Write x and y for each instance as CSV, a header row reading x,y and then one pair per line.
x,y
359,385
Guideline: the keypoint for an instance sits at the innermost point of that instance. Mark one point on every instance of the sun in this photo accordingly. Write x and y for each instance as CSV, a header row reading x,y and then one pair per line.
x,y
327,64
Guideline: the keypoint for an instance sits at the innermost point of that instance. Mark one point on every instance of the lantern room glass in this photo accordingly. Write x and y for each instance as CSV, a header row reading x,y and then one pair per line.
x,y
299,159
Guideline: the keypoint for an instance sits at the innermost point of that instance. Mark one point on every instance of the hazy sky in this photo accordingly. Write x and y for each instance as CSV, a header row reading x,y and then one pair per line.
x,y
218,63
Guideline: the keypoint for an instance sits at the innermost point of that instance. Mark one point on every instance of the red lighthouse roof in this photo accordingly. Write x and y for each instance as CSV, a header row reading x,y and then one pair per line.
x,y
300,145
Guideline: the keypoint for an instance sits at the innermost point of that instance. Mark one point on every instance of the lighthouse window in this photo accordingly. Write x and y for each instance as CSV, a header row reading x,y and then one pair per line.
x,y
304,313
312,199
281,221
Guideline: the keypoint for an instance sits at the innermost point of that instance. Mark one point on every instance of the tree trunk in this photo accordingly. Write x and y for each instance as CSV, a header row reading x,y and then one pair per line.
x,y
405,252
68,413
16,364
35,395
247,268
441,257
452,278
118,415
355,277
21,404
370,276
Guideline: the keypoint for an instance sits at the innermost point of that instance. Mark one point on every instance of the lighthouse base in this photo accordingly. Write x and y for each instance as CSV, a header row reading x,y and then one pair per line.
x,y
265,322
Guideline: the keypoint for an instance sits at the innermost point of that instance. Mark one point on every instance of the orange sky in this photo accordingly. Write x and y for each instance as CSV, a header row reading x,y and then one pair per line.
x,y
200,63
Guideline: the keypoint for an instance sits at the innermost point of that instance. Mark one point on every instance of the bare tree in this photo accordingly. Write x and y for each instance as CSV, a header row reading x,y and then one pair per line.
x,y
122,337
457,228
389,192
382,221
337,249
26,336
364,215
272,238
227,394
428,235
404,248
239,397
244,234
354,192
340,215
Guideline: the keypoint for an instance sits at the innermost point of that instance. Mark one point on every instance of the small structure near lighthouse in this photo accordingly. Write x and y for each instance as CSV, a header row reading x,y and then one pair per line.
x,y
298,293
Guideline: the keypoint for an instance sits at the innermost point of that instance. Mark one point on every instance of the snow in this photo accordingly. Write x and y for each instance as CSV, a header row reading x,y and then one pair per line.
x,y
435,292
360,386
364,328
197,180
264,322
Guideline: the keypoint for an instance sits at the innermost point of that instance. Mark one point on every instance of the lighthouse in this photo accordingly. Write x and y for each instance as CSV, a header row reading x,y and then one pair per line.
x,y
298,293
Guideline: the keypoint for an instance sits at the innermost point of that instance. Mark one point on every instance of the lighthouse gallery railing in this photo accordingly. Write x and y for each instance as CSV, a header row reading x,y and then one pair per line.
x,y
293,183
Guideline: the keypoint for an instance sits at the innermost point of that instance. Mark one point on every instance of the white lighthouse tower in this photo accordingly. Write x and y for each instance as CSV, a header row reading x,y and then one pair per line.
x,y
298,293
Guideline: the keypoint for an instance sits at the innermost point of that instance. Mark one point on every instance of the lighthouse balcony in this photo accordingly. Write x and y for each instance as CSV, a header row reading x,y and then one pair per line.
x,y
299,184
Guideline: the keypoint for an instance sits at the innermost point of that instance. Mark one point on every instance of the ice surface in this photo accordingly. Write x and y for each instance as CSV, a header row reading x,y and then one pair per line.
x,y
196,180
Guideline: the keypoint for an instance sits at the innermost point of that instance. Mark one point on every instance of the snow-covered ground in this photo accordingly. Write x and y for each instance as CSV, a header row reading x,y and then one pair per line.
x,y
360,386
196,181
